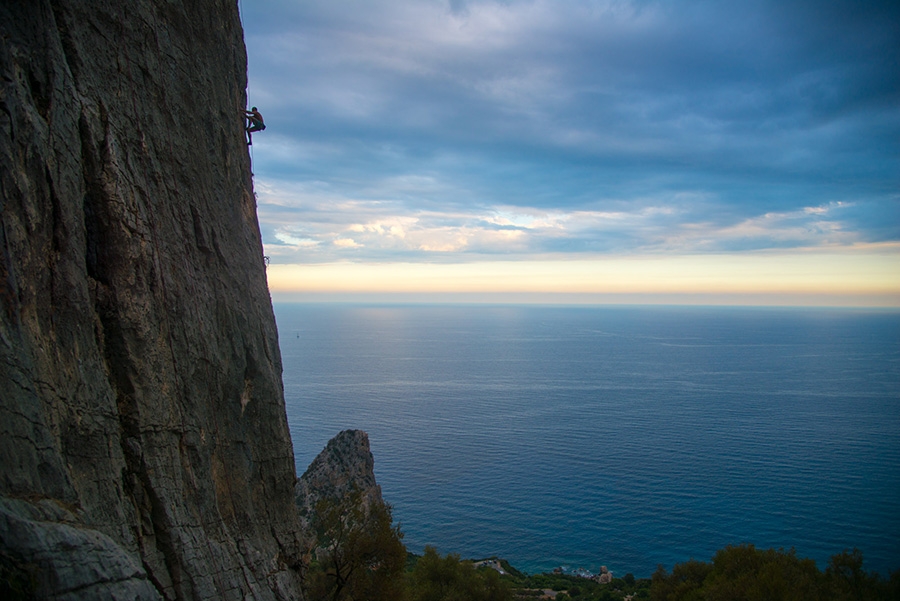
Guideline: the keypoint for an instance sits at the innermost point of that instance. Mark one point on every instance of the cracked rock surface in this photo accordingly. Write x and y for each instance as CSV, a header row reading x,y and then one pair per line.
x,y
144,448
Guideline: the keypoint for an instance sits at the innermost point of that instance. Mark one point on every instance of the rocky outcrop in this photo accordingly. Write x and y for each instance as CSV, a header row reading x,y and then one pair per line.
x,y
344,466
60,559
144,450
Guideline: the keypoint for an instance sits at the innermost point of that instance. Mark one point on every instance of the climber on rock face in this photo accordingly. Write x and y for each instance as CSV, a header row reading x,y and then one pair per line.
x,y
254,123
254,120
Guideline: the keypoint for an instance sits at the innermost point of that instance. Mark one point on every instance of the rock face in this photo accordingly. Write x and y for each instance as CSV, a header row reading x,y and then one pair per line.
x,y
144,449
344,465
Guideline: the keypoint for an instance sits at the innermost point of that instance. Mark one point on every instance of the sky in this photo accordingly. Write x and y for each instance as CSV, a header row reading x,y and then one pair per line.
x,y
578,150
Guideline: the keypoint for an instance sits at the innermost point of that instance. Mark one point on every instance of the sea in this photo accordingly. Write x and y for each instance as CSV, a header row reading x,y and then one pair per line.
x,y
620,436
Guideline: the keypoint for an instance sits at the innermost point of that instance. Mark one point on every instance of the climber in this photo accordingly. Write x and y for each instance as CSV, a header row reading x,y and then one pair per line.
x,y
254,123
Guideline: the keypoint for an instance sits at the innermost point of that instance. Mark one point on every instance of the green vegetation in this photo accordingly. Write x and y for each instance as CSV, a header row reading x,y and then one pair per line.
x,y
436,578
360,556
575,588
744,573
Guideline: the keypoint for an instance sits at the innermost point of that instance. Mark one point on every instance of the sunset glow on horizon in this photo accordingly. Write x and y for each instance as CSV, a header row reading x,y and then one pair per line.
x,y
863,279
589,151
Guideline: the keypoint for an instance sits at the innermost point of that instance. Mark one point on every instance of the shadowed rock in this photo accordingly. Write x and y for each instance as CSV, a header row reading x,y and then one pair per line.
x,y
144,448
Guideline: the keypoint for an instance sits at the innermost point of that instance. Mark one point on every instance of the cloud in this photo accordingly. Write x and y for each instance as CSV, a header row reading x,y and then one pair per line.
x,y
346,243
314,224
442,131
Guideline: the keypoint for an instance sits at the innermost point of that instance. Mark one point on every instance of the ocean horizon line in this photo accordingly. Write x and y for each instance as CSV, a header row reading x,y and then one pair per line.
x,y
570,300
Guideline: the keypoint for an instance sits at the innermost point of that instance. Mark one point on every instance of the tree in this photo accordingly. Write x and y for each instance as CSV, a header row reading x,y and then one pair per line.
x,y
744,573
846,576
684,584
359,555
436,578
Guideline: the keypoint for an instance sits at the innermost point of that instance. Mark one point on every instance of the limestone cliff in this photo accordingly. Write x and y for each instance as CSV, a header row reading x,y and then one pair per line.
x,y
344,465
144,450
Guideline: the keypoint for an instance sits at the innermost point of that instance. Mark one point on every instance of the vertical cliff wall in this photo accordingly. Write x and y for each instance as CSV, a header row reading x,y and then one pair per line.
x,y
144,451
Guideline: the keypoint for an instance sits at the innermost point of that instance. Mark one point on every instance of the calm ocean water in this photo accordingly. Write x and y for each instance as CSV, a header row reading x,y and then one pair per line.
x,y
625,437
